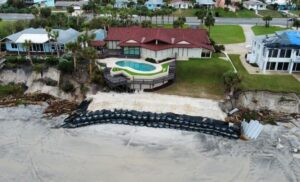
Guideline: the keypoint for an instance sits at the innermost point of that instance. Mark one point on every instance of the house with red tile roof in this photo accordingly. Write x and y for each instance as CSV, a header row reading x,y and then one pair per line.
x,y
160,43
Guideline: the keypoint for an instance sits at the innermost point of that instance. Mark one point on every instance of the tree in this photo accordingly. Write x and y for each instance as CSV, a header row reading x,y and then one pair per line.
x,y
73,47
231,81
267,20
35,11
200,14
179,23
45,12
70,10
209,21
227,2
90,54
146,24
55,35
296,23
27,46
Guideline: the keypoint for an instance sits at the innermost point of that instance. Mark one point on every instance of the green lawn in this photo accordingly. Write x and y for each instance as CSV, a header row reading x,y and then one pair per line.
x,y
227,14
199,78
272,13
262,30
273,83
295,12
238,14
227,34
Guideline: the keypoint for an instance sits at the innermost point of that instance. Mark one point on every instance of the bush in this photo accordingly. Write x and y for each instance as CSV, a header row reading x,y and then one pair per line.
x,y
68,87
48,81
219,48
39,67
52,61
226,9
217,14
36,60
65,66
11,89
97,77
151,60
15,59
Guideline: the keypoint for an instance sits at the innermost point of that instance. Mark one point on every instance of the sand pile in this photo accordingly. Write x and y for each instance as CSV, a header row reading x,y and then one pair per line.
x,y
157,103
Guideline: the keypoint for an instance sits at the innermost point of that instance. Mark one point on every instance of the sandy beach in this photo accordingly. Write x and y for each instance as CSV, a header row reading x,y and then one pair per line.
x,y
157,103
30,150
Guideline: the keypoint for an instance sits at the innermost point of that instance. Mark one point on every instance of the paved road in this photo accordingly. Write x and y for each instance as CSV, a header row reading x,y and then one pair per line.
x,y
15,16
190,20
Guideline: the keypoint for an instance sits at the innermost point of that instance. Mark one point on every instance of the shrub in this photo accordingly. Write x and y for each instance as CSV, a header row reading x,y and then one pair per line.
x,y
226,9
11,89
151,60
36,60
39,67
219,48
67,86
65,66
97,77
48,81
15,59
217,14
52,61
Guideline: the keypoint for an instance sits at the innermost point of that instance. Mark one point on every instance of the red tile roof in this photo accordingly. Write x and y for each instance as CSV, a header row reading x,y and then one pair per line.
x,y
167,38
97,43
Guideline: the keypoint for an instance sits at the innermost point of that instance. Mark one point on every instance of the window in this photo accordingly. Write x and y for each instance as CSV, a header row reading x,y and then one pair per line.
x,y
131,51
53,47
288,53
282,53
271,66
205,54
14,46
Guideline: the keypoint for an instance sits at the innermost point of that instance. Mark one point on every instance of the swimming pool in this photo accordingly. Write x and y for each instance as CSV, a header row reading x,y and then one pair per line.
x,y
136,65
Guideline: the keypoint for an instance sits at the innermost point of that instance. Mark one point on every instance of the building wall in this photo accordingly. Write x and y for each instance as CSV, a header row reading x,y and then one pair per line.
x,y
179,53
113,45
20,48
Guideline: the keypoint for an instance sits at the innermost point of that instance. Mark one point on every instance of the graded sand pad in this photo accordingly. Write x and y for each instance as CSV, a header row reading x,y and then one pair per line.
x,y
157,103
30,150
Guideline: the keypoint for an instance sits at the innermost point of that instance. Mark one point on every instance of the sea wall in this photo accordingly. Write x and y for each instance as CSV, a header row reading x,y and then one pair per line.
x,y
258,100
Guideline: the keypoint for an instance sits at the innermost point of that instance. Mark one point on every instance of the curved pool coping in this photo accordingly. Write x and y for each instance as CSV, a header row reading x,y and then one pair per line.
x,y
157,67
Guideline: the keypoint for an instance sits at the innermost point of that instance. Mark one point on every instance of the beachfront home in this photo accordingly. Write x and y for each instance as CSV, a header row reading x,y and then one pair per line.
x,y
159,43
205,3
277,52
254,5
77,5
124,3
41,3
180,4
154,4
98,42
41,41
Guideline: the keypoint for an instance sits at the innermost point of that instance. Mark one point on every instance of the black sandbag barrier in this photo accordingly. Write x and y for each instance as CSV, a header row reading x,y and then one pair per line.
x,y
155,120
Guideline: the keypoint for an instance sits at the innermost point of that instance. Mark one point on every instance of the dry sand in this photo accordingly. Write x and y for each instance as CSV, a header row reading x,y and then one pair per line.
x,y
31,151
157,103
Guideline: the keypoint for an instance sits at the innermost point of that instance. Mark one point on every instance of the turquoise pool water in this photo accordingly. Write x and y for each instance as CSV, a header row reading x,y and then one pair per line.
x,y
136,65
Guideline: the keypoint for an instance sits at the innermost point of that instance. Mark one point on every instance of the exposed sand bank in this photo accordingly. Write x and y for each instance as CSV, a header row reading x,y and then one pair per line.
x,y
157,103
31,151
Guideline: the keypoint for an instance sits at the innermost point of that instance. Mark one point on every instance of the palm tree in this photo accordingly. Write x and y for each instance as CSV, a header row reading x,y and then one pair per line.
x,y
209,21
200,14
90,54
73,47
27,46
55,35
70,10
296,23
267,20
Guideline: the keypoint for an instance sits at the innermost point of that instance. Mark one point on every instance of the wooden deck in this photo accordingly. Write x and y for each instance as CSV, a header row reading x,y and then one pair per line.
x,y
121,81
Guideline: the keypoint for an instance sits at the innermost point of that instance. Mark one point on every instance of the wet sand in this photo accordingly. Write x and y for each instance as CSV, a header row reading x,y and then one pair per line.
x,y
31,151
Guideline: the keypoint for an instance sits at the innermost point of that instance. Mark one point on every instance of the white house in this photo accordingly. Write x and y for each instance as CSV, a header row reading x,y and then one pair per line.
x,y
180,4
254,5
276,52
160,43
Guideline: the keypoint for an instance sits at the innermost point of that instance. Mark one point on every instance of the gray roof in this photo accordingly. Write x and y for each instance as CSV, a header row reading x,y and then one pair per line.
x,y
205,2
64,37
253,2
70,3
